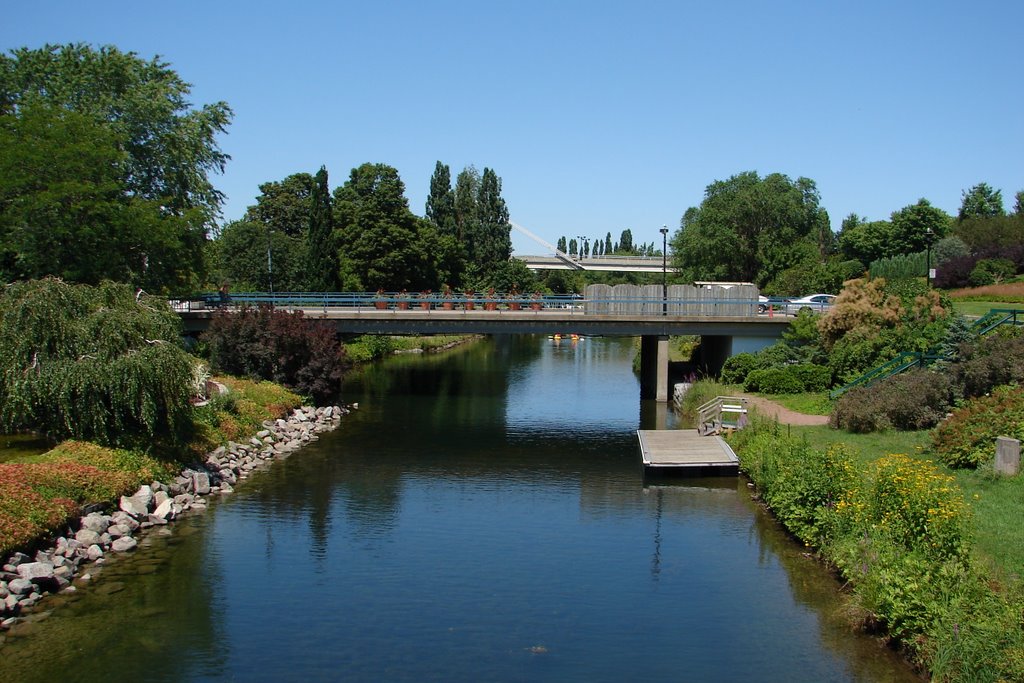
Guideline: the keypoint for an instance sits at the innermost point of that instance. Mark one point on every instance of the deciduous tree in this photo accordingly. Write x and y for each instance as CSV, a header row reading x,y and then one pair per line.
x,y
381,243
749,228
104,154
94,363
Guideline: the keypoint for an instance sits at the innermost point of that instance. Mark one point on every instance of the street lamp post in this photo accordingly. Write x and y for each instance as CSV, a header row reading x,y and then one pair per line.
x,y
929,237
664,270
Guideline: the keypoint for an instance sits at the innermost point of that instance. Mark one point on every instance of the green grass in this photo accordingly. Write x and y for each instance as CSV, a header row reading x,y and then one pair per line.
x,y
867,447
997,501
816,403
980,308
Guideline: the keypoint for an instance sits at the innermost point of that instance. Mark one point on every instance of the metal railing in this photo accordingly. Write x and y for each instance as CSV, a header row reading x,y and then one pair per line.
x,y
469,301
910,359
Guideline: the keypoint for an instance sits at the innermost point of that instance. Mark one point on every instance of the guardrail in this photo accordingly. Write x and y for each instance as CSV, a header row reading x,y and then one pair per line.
x,y
572,304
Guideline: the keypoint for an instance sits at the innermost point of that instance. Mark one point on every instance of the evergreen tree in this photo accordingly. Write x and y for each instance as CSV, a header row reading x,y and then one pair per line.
x,y
626,241
467,190
493,245
608,244
561,245
441,201
322,273
981,201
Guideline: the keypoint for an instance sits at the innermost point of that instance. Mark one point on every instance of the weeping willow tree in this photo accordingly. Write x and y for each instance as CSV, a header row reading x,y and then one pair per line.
x,y
92,363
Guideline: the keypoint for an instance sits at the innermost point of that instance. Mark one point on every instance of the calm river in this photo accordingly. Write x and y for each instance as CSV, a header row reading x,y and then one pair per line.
x,y
482,517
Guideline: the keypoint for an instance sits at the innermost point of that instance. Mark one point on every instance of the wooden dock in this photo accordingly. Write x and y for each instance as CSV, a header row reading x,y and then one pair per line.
x,y
684,452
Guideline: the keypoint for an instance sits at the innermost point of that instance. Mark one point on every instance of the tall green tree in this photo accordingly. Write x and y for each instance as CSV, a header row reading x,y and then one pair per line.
x,y
107,168
381,244
749,228
441,201
321,247
285,206
440,211
253,257
467,193
492,245
626,242
65,210
170,148
911,225
981,201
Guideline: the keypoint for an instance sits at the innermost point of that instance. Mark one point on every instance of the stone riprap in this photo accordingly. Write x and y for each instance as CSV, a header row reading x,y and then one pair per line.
x,y
25,580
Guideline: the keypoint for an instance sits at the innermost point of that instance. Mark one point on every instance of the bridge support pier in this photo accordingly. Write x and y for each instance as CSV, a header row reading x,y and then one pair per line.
x,y
654,367
714,351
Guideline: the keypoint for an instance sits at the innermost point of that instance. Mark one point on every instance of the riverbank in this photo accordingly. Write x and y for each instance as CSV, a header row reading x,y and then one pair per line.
x,y
64,514
899,531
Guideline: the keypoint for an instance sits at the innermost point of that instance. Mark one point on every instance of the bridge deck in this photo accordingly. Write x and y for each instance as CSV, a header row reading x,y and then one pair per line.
x,y
683,451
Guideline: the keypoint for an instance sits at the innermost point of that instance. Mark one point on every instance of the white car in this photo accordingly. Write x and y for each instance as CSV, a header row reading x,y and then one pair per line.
x,y
812,302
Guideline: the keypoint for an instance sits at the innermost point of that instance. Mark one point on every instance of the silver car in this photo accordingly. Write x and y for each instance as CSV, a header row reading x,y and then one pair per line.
x,y
812,302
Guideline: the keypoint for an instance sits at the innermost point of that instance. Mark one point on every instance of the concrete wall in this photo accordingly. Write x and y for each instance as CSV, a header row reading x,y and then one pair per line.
x,y
739,300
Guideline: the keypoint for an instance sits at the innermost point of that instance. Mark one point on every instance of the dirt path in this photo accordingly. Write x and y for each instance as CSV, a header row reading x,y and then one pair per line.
x,y
783,414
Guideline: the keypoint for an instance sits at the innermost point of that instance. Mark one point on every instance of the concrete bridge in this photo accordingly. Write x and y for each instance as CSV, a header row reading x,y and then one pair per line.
x,y
617,264
726,320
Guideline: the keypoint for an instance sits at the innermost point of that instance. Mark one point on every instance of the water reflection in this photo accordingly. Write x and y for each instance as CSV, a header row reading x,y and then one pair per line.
x,y
483,516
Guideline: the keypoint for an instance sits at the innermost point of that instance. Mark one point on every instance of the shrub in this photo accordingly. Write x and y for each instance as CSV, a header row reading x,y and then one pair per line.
x,y
263,343
773,381
812,377
914,400
901,266
992,271
736,368
967,439
989,363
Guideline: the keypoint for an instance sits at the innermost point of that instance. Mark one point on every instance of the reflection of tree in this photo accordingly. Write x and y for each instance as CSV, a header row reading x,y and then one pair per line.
x,y
141,611
811,584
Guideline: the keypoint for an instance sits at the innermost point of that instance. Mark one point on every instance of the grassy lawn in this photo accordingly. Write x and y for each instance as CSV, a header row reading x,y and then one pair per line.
x,y
817,403
997,501
980,308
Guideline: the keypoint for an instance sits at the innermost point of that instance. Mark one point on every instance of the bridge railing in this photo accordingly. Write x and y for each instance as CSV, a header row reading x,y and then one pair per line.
x,y
645,301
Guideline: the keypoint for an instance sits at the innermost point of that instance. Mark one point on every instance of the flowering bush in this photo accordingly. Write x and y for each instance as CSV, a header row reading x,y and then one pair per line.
x,y
967,439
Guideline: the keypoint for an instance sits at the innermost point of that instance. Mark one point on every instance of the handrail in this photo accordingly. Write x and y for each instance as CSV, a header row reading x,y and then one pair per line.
x,y
709,414
909,359
648,306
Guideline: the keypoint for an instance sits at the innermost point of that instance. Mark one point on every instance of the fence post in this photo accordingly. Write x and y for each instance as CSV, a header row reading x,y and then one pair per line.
x,y
1007,455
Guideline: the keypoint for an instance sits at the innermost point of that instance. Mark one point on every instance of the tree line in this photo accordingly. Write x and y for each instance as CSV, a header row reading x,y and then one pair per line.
x,y
105,173
362,236
772,231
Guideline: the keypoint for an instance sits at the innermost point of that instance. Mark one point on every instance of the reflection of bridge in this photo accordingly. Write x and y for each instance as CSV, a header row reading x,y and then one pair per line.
x,y
718,317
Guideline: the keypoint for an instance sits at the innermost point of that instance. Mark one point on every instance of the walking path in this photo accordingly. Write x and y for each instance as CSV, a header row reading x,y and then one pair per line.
x,y
783,414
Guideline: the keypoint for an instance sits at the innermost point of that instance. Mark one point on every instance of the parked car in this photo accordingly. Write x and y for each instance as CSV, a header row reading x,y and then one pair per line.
x,y
765,302
811,302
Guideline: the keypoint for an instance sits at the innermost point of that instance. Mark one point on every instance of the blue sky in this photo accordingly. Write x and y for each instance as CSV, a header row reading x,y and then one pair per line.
x,y
598,116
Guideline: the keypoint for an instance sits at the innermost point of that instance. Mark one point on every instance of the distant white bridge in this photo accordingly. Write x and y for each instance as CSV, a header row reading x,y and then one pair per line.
x,y
559,260
621,264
